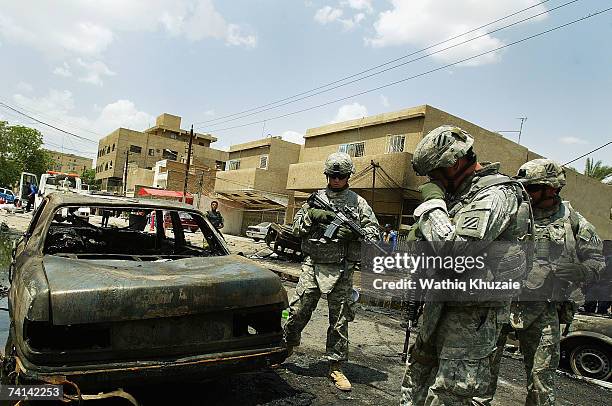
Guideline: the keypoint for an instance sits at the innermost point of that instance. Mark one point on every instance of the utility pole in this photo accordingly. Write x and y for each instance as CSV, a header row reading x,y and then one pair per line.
x,y
374,166
187,164
523,119
125,171
200,188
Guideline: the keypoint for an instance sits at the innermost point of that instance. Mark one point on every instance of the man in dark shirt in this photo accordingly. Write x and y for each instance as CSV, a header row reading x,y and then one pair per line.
x,y
214,215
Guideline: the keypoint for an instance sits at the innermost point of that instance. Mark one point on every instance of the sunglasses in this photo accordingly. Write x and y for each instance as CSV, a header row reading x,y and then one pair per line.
x,y
339,177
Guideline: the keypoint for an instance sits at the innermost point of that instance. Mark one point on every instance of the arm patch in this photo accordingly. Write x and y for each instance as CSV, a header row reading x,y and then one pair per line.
x,y
472,220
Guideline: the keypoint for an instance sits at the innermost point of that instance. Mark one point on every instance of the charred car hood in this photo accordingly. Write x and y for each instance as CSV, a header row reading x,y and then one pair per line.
x,y
95,291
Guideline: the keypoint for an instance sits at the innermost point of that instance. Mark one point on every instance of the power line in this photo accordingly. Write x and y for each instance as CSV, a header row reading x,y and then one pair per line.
x,y
51,118
393,67
391,62
588,153
47,124
418,75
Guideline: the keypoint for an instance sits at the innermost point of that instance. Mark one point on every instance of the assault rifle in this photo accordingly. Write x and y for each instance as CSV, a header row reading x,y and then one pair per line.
x,y
344,217
412,311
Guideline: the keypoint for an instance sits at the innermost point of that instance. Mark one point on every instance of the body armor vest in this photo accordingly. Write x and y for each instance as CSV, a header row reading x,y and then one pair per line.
x,y
554,242
326,251
508,257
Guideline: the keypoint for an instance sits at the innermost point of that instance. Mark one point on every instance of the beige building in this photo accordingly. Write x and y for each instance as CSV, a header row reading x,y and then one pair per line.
x,y
164,141
69,163
255,180
382,148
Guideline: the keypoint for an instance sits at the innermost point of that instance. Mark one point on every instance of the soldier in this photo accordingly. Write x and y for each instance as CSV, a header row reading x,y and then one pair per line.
x,y
329,265
463,203
568,253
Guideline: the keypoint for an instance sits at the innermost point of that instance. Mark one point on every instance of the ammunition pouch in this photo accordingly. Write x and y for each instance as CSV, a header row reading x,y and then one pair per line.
x,y
323,251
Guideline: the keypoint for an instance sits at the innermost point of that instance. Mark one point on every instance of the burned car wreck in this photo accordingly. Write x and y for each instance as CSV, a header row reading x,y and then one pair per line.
x,y
104,307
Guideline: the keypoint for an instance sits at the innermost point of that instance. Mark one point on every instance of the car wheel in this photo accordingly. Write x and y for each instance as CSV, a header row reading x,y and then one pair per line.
x,y
591,360
256,239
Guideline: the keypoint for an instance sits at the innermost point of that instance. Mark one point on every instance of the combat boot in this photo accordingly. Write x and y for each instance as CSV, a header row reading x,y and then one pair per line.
x,y
338,377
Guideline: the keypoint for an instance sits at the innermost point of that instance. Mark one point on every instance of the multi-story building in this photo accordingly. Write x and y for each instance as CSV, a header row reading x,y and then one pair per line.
x,y
382,148
255,180
164,141
69,163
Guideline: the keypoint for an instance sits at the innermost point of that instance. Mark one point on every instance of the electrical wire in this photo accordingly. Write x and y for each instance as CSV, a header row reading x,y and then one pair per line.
x,y
588,153
528,38
47,124
380,65
394,67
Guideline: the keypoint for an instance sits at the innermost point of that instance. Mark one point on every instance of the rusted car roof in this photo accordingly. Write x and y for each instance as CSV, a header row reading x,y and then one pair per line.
x,y
69,199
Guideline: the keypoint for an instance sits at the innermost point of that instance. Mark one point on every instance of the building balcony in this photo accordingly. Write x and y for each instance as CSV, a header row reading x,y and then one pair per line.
x,y
394,171
253,186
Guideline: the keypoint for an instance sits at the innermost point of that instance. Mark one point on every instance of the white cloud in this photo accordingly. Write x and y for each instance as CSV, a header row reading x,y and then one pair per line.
x,y
350,112
123,113
384,100
25,87
327,15
209,113
362,5
572,140
427,22
58,108
94,71
293,136
71,28
63,70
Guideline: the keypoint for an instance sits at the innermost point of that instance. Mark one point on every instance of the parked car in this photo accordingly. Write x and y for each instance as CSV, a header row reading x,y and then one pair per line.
x,y
259,231
588,346
6,195
187,221
111,307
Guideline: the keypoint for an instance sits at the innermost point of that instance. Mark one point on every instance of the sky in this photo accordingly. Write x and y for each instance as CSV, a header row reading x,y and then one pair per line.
x,y
91,67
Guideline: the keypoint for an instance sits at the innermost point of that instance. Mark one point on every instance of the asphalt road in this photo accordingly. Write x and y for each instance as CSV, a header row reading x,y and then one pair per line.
x,y
375,368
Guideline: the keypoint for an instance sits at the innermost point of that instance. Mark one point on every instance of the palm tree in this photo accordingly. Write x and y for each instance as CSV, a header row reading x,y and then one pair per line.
x,y
598,171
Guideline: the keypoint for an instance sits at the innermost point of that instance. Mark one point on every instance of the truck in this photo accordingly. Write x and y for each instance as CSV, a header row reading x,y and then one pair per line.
x,y
54,182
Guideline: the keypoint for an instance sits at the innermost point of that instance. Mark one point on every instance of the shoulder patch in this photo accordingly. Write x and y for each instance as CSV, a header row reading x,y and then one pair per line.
x,y
472,220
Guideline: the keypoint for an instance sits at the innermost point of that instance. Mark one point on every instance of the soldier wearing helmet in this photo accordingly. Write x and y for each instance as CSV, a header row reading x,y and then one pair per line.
x,y
464,202
568,253
329,264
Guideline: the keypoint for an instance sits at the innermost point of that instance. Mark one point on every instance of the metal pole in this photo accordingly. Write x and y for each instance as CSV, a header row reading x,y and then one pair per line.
x,y
523,119
125,171
373,180
187,165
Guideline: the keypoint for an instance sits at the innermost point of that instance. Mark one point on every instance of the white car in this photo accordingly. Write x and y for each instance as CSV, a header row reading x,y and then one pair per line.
x,y
259,231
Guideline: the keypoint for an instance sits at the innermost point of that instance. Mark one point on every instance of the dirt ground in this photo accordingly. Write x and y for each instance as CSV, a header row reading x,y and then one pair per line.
x,y
375,368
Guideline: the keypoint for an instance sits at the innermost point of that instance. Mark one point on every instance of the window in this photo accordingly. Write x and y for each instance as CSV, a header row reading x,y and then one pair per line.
x,y
113,147
395,143
110,165
220,165
151,152
106,167
169,154
232,164
135,149
263,162
354,149
173,136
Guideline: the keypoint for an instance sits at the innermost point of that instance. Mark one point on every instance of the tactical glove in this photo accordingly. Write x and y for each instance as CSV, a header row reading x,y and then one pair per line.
x,y
431,190
571,272
345,233
415,233
320,215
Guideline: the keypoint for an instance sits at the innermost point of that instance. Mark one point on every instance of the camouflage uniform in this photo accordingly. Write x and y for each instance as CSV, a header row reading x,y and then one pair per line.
x,y
450,362
561,235
328,268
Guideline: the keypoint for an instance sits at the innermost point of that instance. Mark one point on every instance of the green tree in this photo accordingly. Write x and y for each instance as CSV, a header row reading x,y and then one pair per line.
x,y
21,151
597,170
89,177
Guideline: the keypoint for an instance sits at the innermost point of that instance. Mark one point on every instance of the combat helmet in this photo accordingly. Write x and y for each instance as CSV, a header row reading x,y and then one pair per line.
x,y
442,147
541,172
339,163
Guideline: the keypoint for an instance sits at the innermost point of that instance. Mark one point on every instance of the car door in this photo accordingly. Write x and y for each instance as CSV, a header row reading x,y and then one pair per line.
x,y
25,178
